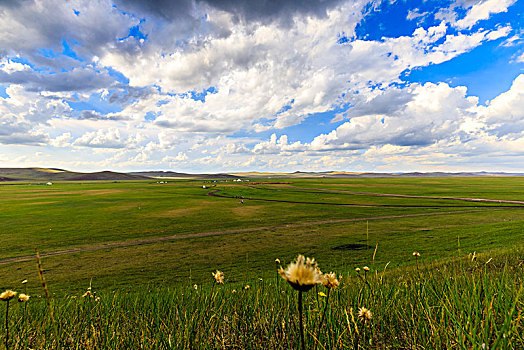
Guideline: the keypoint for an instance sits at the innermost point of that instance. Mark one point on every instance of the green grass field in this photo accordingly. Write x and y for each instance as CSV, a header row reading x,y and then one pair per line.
x,y
143,243
250,235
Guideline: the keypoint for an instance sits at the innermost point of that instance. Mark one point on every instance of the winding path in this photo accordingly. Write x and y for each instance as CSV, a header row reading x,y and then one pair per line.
x,y
515,204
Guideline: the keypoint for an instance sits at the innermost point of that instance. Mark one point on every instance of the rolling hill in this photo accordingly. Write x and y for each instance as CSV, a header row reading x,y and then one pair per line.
x,y
55,174
51,174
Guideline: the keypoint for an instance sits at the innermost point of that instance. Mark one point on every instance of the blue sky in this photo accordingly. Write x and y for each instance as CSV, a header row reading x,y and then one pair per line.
x,y
230,86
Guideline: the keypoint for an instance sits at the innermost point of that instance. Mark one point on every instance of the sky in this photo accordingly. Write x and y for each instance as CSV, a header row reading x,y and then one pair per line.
x,y
205,86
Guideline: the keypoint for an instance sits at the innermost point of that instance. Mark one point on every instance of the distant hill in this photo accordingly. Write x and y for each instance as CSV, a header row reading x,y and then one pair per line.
x,y
51,174
344,174
107,175
3,178
175,175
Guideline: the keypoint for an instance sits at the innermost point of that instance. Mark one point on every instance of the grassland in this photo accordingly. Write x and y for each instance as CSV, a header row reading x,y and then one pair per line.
x,y
128,238
456,303
83,215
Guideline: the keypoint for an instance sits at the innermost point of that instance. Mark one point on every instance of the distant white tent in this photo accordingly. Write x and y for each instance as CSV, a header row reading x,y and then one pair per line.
x,y
49,183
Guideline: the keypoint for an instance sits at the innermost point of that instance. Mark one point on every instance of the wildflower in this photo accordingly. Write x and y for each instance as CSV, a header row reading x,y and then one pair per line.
x,y
246,287
364,314
23,297
24,281
357,269
86,294
365,268
7,295
97,299
260,279
322,294
330,281
277,261
303,274
234,291
195,287
219,277
474,257
417,254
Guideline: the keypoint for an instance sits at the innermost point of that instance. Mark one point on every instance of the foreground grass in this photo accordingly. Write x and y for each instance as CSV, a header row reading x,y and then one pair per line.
x,y
461,303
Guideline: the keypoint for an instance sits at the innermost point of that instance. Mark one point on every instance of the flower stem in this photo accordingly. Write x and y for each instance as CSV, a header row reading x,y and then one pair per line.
x,y
204,315
324,313
301,322
7,326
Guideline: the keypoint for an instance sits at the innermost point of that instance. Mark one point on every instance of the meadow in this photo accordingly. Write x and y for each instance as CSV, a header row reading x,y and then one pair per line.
x,y
143,246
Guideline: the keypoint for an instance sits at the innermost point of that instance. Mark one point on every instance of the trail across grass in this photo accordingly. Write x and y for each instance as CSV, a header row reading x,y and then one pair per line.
x,y
208,234
517,204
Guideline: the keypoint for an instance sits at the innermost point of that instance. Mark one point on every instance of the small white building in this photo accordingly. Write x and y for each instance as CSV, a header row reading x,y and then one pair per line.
x,y
49,183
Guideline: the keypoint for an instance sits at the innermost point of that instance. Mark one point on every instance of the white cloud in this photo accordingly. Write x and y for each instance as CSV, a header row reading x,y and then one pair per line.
x,y
9,66
62,140
101,139
267,75
270,77
33,25
482,10
180,157
505,113
277,146
23,115
434,111
440,128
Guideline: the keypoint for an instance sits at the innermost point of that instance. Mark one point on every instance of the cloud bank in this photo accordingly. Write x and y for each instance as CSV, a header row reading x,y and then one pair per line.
x,y
229,85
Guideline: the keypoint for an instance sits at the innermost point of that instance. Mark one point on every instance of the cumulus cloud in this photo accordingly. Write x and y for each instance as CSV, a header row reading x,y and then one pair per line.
x,y
80,79
276,146
32,25
505,113
187,77
438,127
62,140
306,74
482,10
180,157
434,111
24,113
380,102
245,10
24,138
101,139
94,115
